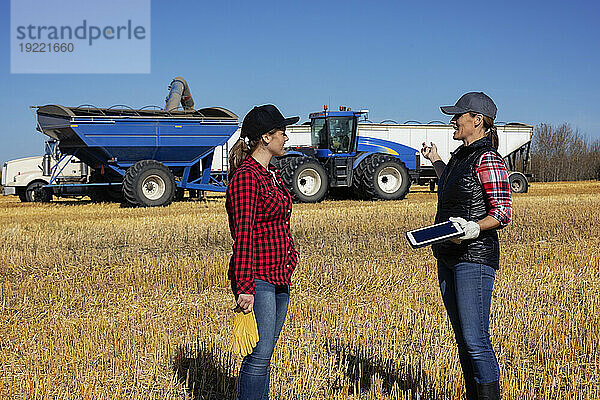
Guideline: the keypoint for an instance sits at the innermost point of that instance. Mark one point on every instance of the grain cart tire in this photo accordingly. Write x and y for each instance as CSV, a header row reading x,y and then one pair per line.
x,y
381,176
518,182
149,183
305,178
35,192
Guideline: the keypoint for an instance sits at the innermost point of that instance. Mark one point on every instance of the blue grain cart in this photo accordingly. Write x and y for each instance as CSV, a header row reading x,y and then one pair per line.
x,y
147,157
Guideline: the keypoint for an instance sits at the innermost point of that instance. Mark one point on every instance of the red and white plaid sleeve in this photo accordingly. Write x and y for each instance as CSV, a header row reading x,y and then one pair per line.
x,y
242,198
493,175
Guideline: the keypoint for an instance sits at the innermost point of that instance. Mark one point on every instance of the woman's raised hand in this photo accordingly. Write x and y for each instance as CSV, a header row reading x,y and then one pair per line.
x,y
430,152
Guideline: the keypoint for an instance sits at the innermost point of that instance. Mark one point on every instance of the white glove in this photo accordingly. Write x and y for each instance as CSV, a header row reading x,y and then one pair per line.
x,y
471,229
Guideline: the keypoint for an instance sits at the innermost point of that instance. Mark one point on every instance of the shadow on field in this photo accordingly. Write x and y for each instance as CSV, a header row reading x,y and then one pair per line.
x,y
66,202
361,372
207,375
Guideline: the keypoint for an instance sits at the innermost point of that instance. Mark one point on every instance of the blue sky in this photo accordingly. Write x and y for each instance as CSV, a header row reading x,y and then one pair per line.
x,y
538,60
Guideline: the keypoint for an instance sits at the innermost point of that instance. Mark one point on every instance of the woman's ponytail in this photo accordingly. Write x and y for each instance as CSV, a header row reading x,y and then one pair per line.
x,y
491,131
238,153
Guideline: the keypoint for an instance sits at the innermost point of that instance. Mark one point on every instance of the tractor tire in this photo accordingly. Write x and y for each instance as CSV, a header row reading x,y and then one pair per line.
x,y
518,182
35,192
305,178
382,177
149,183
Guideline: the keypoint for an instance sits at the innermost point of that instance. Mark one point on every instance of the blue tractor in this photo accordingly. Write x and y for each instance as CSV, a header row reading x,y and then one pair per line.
x,y
339,157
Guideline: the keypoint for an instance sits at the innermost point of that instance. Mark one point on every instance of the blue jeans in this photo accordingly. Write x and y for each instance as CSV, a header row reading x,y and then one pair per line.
x,y
270,307
467,292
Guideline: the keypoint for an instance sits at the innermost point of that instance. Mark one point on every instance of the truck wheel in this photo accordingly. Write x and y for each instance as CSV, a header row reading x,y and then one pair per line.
x,y
305,178
149,183
381,176
35,192
22,193
42,195
518,182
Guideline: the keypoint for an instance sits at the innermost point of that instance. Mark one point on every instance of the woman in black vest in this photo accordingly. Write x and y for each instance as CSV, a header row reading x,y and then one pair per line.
x,y
473,190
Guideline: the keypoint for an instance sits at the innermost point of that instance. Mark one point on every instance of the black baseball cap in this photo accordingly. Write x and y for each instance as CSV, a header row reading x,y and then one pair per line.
x,y
262,119
477,102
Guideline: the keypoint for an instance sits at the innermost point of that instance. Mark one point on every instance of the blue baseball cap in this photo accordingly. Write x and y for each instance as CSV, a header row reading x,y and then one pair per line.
x,y
477,102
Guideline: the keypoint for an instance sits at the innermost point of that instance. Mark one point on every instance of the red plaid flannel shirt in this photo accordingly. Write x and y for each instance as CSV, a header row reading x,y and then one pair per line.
x,y
493,175
259,213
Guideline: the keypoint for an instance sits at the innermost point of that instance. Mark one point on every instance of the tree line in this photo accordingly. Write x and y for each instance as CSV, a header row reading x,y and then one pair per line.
x,y
560,153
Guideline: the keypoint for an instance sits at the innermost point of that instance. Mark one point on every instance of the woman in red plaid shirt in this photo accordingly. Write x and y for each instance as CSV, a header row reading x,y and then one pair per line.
x,y
473,190
259,209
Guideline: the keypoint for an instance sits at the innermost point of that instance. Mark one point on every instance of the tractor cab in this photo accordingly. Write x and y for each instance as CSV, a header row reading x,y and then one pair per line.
x,y
333,133
333,136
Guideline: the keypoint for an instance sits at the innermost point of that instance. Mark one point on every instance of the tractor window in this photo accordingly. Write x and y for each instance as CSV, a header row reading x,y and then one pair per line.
x,y
318,136
340,132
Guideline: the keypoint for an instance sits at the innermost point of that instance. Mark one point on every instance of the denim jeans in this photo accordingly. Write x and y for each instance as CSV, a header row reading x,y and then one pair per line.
x,y
467,292
270,308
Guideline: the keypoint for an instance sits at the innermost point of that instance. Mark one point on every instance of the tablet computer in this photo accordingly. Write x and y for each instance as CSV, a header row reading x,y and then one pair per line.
x,y
434,234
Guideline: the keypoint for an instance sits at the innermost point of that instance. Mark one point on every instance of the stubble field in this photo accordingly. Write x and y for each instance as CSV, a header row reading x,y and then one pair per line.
x,y
102,302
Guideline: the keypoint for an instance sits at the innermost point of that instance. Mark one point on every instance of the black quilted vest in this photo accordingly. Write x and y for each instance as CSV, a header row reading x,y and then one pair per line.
x,y
460,194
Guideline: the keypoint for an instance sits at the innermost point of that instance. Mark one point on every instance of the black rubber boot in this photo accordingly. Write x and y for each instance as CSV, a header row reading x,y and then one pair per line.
x,y
488,391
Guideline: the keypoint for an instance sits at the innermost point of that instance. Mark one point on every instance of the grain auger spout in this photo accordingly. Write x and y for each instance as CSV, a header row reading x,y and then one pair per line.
x,y
179,91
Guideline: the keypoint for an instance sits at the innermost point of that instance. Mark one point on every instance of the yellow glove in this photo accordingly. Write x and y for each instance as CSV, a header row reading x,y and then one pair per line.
x,y
245,332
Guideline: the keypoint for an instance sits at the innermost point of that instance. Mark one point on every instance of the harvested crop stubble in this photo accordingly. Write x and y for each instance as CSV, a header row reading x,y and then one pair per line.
x,y
98,301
